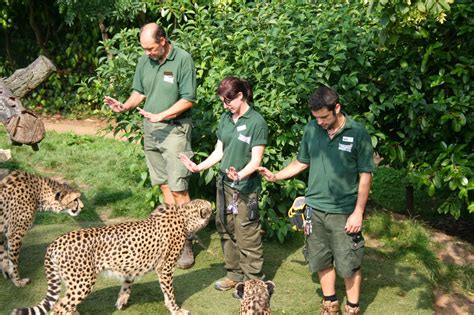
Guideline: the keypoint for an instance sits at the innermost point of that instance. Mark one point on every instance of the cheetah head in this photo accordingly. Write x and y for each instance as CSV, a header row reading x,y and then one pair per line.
x,y
257,291
67,200
197,214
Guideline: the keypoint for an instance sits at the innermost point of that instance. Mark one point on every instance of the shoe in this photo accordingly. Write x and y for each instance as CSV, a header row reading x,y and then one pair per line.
x,y
351,310
225,284
186,260
330,308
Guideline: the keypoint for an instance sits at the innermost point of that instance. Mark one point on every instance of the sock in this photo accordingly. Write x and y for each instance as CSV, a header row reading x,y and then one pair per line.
x,y
331,298
353,305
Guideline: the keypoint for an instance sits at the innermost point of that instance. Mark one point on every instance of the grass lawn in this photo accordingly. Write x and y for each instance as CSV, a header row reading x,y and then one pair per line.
x,y
400,270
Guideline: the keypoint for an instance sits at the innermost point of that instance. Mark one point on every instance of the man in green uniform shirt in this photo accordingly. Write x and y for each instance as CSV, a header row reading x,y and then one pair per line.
x,y
338,152
165,78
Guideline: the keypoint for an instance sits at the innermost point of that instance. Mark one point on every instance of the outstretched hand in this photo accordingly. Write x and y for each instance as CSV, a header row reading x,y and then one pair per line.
x,y
265,172
232,173
115,105
151,117
190,165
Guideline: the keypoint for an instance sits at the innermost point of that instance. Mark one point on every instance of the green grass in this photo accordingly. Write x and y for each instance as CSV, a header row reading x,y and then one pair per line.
x,y
400,269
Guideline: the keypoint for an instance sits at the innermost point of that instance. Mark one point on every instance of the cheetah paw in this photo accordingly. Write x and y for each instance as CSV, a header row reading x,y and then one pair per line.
x,y
122,301
21,282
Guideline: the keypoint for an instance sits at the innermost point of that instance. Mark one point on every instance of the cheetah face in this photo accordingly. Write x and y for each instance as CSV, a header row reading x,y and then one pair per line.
x,y
255,290
67,201
197,212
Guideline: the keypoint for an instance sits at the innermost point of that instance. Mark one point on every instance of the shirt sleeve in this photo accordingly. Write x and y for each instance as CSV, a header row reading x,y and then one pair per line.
x,y
260,134
187,79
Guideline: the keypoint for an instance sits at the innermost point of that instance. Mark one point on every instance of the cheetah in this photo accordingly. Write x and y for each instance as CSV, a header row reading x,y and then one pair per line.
x,y
21,195
127,250
255,297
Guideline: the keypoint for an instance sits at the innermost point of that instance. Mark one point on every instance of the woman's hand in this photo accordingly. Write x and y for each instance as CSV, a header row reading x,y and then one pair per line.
x,y
190,165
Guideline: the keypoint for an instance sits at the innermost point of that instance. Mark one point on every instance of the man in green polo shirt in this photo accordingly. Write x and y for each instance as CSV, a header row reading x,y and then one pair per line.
x,y
338,152
165,78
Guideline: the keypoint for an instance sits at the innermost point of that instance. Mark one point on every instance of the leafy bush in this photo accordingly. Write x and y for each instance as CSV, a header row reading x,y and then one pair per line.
x,y
413,92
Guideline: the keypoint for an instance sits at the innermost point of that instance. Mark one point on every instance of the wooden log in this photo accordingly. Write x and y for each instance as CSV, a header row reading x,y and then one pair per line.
x,y
25,80
9,104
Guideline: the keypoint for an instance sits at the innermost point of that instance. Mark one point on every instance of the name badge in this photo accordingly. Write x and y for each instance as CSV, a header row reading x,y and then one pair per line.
x,y
345,147
168,77
244,138
241,128
347,139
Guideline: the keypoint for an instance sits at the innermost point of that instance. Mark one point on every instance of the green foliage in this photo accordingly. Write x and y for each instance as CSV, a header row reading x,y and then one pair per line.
x,y
404,68
413,93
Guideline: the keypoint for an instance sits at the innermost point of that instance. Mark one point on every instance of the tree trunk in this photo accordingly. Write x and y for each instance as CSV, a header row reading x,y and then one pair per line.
x,y
410,199
36,28
105,36
27,79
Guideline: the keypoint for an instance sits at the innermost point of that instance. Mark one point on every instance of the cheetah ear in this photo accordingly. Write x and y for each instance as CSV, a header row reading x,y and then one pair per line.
x,y
270,286
240,289
59,195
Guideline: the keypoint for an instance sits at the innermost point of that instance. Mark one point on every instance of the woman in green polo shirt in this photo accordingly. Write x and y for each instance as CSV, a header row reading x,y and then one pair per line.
x,y
241,140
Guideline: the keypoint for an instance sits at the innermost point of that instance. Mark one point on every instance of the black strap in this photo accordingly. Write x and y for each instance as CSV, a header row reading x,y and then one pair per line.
x,y
224,211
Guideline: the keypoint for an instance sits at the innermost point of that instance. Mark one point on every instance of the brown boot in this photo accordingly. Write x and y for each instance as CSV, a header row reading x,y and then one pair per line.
x,y
187,257
351,310
330,308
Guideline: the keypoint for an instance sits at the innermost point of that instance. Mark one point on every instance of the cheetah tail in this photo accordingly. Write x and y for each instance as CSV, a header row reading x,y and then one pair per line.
x,y
54,289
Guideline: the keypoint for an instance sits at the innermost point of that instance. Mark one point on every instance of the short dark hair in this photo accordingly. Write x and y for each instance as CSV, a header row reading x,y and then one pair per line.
x,y
231,86
323,97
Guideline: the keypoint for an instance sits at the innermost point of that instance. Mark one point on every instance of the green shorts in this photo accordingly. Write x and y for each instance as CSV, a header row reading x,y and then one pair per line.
x,y
330,246
163,142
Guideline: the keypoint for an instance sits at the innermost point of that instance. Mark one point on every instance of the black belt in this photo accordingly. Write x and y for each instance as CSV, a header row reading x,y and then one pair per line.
x,y
174,122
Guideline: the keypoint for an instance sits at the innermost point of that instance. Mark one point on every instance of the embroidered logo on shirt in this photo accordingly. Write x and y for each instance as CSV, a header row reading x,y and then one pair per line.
x,y
347,139
345,147
168,77
241,128
244,138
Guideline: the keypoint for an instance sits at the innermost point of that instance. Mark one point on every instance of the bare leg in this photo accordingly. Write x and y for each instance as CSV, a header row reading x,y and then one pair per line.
x,y
327,278
124,293
168,197
353,287
181,197
186,260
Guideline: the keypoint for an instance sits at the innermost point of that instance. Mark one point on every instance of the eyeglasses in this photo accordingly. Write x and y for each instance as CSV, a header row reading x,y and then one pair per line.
x,y
227,100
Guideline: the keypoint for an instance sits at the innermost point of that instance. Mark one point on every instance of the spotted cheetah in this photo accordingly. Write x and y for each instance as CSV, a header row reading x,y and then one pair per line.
x,y
255,297
21,195
127,250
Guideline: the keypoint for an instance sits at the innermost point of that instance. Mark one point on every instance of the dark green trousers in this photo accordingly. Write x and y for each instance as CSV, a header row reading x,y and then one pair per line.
x,y
241,238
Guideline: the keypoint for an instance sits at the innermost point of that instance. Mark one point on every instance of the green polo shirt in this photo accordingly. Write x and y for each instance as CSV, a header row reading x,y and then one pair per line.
x,y
335,165
164,84
238,139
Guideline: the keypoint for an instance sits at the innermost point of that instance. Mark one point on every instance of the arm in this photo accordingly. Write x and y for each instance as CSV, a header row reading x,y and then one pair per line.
x,y
211,160
174,111
251,167
133,101
354,222
292,169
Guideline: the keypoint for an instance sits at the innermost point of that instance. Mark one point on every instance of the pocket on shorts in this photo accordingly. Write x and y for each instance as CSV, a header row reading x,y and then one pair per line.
x,y
357,246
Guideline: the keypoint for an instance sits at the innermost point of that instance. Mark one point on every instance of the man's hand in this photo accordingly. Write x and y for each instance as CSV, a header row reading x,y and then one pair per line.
x,y
190,165
232,174
354,223
115,105
266,174
151,117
